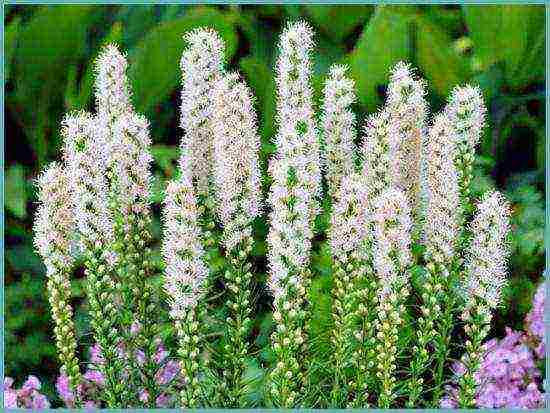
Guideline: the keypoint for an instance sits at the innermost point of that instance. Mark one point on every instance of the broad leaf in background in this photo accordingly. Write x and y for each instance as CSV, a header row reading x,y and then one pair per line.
x,y
15,191
78,97
40,66
384,42
154,63
10,42
512,33
339,21
443,67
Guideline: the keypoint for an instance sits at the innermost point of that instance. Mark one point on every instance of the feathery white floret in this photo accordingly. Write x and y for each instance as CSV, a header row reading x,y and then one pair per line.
x,y
236,159
466,111
130,162
185,272
350,217
54,224
442,212
86,157
392,239
290,233
295,168
489,250
297,136
338,126
380,153
408,109
201,66
112,88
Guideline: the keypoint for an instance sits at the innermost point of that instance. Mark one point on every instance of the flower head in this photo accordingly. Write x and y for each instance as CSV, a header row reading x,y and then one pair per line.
x,y
54,224
130,162
185,272
408,108
86,157
466,110
201,66
338,126
297,135
380,153
488,252
442,212
351,217
236,159
112,89
392,239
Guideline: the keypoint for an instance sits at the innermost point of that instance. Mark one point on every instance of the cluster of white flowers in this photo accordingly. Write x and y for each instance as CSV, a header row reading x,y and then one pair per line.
x,y
295,167
392,239
185,272
86,158
338,122
296,174
54,223
350,220
380,156
297,138
466,112
408,108
488,252
53,235
201,66
112,90
442,211
130,161
410,179
236,159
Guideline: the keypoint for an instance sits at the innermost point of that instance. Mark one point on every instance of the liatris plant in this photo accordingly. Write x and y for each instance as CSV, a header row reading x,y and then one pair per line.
x,y
418,265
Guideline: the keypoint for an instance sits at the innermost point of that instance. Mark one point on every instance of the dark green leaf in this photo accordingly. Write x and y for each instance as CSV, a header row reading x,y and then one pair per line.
x,y
154,63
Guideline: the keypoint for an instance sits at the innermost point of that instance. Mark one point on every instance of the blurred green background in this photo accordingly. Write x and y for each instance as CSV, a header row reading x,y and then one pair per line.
x,y
49,54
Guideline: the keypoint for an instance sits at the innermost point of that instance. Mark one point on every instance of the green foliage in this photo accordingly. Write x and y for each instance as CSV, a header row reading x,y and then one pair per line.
x,y
16,191
368,57
513,34
528,222
40,65
154,63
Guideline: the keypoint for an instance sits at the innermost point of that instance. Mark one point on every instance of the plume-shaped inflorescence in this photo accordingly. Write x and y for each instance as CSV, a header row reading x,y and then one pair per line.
x,y
296,183
466,112
185,277
236,160
488,252
442,210
238,203
485,279
380,153
408,108
338,122
112,90
86,156
201,66
53,235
